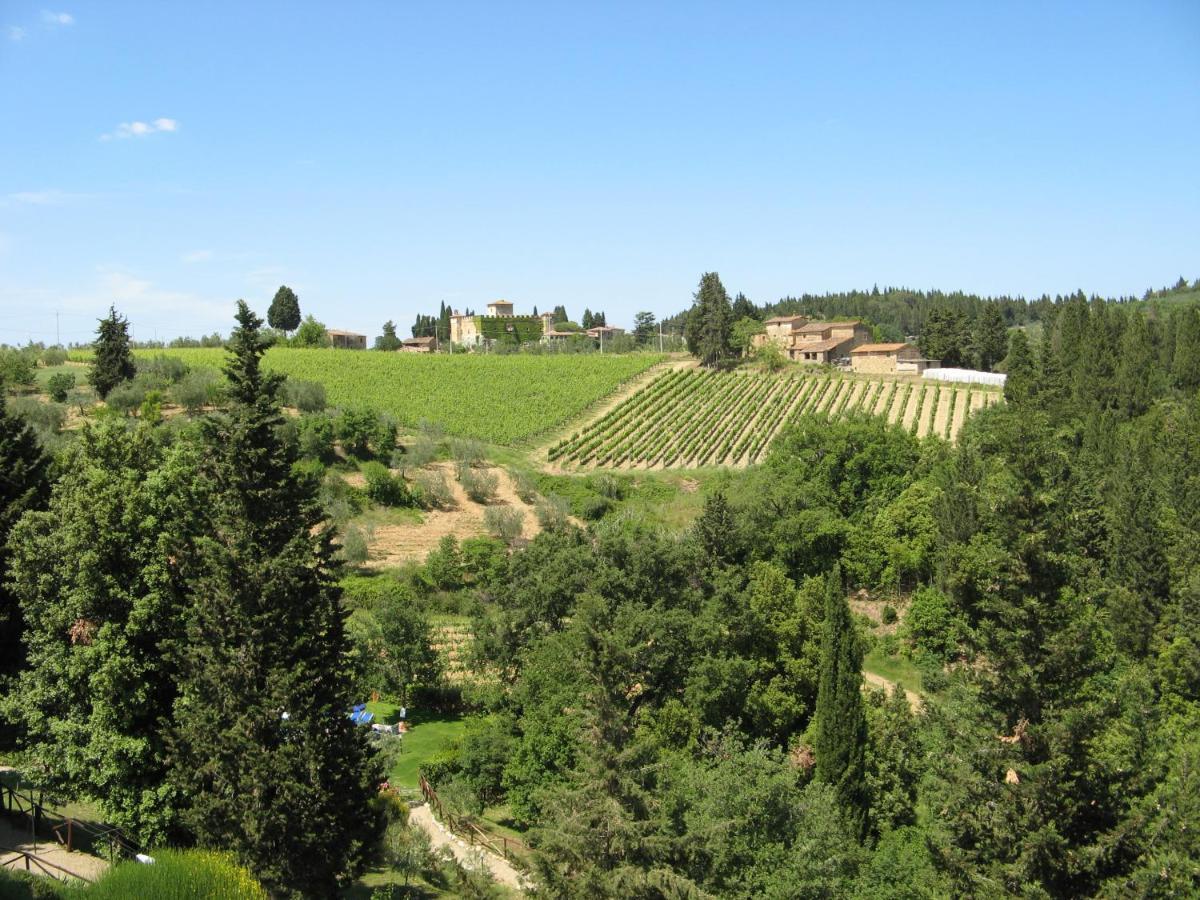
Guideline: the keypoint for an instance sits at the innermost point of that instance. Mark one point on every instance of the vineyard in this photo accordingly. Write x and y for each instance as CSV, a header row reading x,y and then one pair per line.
x,y
500,399
689,418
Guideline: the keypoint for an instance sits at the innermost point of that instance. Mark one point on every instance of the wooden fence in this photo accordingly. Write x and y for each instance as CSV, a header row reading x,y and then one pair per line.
x,y
36,863
509,848
66,830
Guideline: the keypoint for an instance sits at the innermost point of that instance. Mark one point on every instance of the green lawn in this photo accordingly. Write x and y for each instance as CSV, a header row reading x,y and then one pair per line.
x,y
427,735
897,669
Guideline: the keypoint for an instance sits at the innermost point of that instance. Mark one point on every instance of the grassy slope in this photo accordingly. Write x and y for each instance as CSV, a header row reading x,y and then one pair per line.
x,y
427,735
500,399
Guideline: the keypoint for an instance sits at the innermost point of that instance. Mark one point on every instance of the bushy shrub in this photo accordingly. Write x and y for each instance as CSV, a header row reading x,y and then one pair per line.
x,y
53,356
42,416
59,385
932,624
467,454
16,368
126,396
197,389
444,565
355,544
484,559
383,487
162,370
553,514
609,486
480,485
889,614
504,522
306,396
178,875
525,486
340,501
434,490
594,507
364,433
314,436
421,452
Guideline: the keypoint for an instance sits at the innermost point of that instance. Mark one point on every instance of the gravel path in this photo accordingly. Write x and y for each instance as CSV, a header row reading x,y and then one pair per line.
x,y
469,856
80,864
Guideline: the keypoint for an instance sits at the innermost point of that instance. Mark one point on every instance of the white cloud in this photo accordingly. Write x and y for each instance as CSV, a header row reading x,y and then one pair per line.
x,y
15,32
141,129
197,256
57,18
38,198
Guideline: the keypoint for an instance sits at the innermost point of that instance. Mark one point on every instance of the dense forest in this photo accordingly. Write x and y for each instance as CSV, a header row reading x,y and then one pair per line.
x,y
663,713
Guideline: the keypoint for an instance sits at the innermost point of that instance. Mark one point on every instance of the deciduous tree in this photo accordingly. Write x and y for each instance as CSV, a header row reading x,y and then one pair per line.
x,y
284,311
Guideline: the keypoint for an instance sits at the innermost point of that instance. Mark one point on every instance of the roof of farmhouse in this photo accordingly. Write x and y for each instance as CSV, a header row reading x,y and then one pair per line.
x,y
879,348
819,346
777,320
333,332
825,326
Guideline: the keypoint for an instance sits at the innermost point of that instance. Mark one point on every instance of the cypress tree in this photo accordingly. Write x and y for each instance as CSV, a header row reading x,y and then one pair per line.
x,y
989,337
1019,386
709,327
24,485
273,767
113,361
284,311
841,737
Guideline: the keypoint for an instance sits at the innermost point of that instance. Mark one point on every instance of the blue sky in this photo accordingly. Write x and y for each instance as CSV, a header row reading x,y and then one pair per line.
x,y
383,157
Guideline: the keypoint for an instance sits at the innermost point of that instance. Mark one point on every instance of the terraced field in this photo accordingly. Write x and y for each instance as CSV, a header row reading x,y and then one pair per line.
x,y
692,417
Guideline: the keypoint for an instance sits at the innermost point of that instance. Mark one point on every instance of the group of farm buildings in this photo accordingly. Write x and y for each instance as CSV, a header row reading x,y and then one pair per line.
x,y
800,339
832,343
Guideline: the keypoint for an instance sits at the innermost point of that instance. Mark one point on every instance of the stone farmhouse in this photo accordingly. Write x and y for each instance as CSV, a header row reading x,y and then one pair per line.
x,y
419,345
813,342
347,340
889,359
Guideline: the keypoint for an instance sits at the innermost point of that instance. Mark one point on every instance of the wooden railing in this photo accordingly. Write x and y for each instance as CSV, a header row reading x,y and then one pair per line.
x,y
65,829
32,861
510,848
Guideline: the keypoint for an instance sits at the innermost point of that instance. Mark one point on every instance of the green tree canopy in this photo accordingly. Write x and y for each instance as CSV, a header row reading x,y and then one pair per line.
x,y
112,363
710,322
284,311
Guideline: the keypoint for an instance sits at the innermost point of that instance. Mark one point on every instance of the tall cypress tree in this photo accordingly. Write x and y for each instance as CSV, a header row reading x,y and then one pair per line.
x,y
841,738
709,327
273,767
989,337
113,361
24,485
284,311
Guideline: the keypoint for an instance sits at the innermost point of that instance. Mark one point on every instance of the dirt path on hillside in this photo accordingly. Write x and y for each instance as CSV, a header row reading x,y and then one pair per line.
x,y
913,698
81,865
945,395
393,545
471,857
960,413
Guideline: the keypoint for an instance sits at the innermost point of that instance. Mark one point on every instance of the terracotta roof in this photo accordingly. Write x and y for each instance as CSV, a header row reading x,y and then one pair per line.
x,y
333,331
775,319
878,348
420,340
819,346
825,326
500,303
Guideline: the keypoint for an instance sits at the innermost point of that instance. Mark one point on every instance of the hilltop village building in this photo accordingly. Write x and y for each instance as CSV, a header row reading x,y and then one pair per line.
x,y
813,342
500,321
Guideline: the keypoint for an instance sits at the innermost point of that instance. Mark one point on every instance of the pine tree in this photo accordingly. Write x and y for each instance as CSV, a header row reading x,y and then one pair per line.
x,y
643,327
710,322
284,312
274,769
586,322
560,315
113,361
1185,366
989,339
388,340
1020,385
24,485
743,308
841,737
717,531
1137,372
